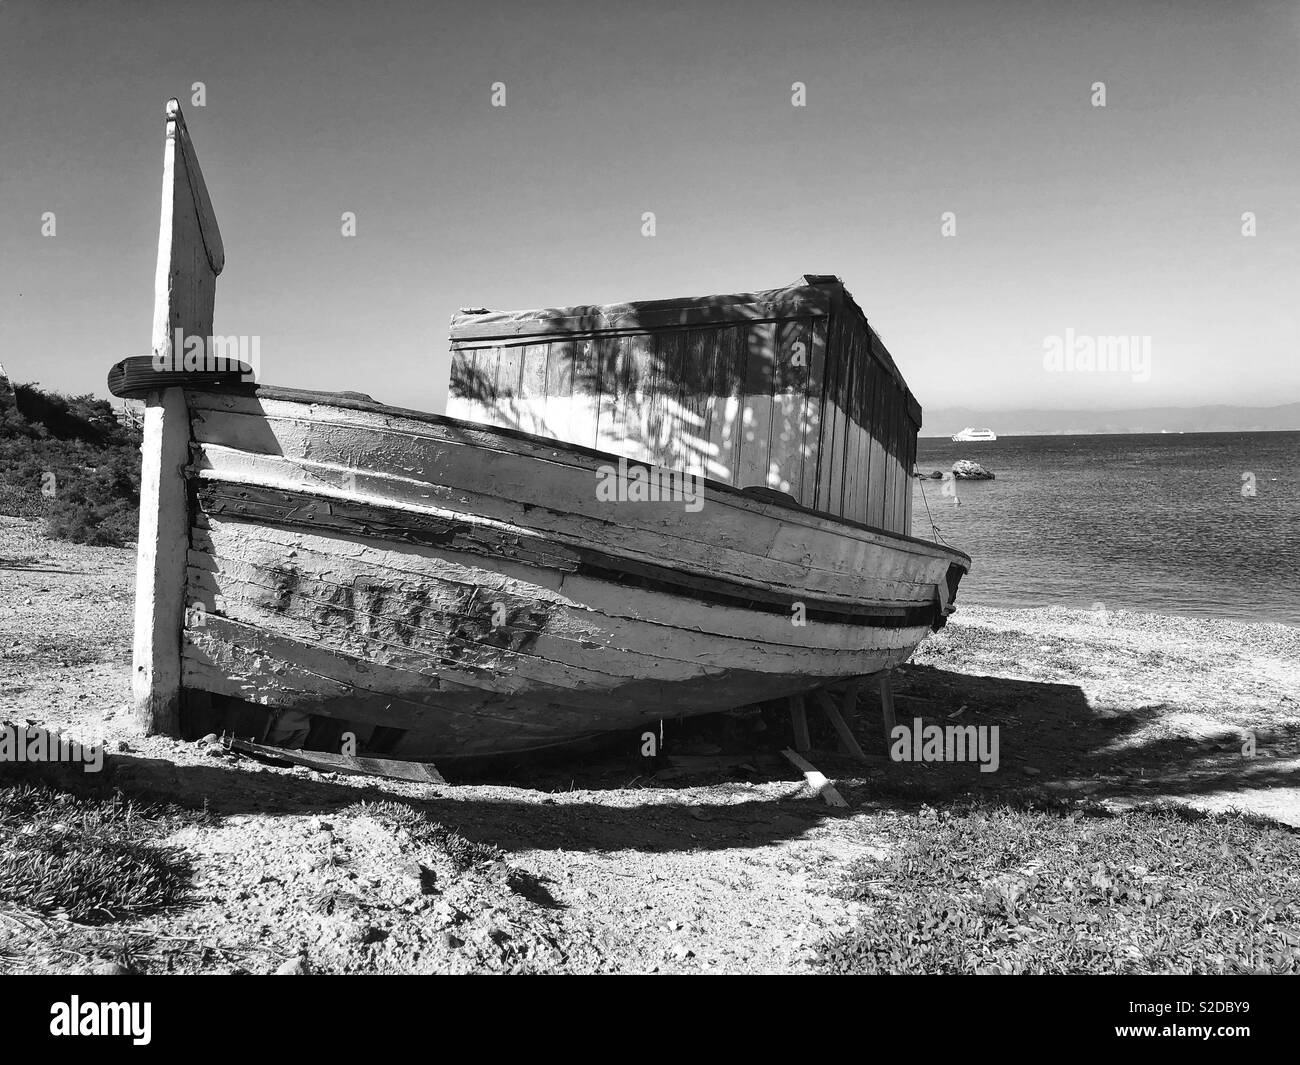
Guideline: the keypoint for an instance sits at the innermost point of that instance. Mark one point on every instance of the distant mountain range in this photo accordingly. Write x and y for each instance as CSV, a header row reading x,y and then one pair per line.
x,y
1217,419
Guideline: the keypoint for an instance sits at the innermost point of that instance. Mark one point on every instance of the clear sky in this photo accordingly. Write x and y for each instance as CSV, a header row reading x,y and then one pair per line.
x,y
1122,220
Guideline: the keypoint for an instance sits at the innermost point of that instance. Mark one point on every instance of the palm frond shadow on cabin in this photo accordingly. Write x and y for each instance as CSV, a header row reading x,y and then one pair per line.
x,y
789,390
676,398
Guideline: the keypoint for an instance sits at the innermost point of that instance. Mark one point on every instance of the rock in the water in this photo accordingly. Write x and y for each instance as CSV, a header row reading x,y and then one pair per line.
x,y
936,475
965,470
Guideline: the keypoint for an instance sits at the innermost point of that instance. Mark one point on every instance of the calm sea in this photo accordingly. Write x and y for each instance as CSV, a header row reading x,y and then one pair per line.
x,y
1150,522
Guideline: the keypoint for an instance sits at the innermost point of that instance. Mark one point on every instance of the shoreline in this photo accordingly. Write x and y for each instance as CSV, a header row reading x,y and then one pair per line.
x,y
1008,606
1002,435
1069,612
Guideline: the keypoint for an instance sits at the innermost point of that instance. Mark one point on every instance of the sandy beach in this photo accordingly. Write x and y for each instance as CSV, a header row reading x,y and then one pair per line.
x,y
717,860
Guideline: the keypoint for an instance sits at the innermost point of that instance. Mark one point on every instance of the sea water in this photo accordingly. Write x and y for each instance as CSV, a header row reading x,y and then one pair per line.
x,y
1196,524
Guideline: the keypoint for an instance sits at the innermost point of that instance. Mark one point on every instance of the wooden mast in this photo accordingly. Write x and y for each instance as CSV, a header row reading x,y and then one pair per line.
x,y
190,256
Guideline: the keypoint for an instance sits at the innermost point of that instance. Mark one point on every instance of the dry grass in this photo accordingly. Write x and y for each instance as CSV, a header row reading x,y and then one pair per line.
x,y
90,859
980,889
461,852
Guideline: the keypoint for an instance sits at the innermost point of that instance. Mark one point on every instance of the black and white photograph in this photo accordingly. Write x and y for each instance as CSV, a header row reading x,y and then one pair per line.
x,y
720,488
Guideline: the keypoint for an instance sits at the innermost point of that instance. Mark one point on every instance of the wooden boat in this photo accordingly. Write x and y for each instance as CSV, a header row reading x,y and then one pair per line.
x,y
444,586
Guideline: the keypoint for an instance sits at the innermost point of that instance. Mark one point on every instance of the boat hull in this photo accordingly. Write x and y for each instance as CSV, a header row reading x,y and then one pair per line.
x,y
446,590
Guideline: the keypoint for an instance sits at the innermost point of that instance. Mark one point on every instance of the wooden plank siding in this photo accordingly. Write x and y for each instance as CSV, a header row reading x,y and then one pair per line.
x,y
788,389
726,412
853,428
876,456
789,397
700,356
753,456
865,389
830,475
812,420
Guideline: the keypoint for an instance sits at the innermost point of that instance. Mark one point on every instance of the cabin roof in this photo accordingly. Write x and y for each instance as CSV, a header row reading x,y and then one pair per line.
x,y
798,300
811,296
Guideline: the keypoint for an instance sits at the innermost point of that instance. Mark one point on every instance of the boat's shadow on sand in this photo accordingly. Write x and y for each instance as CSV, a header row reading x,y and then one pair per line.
x,y
1053,749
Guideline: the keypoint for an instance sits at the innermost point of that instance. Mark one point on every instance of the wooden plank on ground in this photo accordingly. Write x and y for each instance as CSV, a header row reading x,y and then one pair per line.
x,y
816,780
326,762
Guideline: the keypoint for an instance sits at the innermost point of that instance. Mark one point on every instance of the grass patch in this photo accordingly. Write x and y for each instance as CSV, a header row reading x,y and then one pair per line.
x,y
461,852
87,857
979,889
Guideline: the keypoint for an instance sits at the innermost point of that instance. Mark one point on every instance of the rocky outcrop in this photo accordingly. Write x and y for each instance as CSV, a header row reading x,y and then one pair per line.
x,y
966,470
6,390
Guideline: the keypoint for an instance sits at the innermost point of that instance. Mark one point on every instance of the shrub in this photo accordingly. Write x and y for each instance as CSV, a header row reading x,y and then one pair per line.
x,y
74,446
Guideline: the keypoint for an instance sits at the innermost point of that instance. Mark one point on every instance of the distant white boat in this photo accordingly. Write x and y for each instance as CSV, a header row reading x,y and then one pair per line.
x,y
970,433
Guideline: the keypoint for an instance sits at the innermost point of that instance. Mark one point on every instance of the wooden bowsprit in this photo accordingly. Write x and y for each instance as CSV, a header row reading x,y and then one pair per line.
x,y
190,256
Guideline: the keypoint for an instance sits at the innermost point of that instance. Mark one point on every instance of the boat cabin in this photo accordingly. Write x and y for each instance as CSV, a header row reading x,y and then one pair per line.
x,y
788,390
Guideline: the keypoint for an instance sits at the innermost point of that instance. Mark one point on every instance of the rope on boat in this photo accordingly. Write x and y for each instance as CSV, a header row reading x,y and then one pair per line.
x,y
934,529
